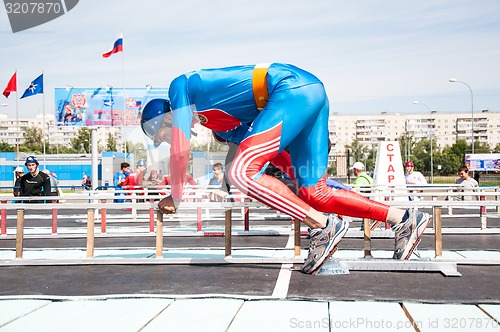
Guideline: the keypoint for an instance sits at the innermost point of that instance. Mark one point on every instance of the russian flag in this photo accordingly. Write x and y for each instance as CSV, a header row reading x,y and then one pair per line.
x,y
117,47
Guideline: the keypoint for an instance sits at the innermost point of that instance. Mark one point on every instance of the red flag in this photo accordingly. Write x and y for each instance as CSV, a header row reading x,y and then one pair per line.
x,y
11,86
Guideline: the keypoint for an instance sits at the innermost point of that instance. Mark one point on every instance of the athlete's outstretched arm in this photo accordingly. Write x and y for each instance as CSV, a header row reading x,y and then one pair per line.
x,y
182,116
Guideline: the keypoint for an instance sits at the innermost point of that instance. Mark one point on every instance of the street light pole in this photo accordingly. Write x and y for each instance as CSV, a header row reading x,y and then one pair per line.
x,y
430,136
454,80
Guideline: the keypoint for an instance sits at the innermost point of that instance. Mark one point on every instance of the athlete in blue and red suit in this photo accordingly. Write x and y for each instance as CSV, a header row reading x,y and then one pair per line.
x,y
265,108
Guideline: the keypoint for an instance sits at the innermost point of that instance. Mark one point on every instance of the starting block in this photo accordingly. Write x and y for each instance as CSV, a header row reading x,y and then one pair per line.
x,y
334,266
340,266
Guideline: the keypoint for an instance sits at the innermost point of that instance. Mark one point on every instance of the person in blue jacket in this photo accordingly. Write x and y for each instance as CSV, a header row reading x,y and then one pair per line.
x,y
264,109
118,179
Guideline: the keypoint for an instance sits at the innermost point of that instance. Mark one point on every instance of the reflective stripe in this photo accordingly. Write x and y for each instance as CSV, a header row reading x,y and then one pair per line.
x,y
259,85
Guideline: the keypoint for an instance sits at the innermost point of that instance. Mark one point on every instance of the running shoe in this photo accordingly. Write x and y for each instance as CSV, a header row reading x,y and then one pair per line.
x,y
323,243
409,232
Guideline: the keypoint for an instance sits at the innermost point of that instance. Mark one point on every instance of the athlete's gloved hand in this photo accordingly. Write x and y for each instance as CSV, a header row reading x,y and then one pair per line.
x,y
167,205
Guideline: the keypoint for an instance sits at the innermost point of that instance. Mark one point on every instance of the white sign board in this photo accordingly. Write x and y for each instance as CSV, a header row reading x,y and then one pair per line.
x,y
389,175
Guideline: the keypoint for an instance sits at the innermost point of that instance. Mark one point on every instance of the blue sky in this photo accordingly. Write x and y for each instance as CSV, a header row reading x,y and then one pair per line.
x,y
373,56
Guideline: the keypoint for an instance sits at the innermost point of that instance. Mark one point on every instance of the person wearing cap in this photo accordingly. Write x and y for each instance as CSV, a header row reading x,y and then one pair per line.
x,y
135,180
264,108
415,178
34,183
412,176
362,178
19,172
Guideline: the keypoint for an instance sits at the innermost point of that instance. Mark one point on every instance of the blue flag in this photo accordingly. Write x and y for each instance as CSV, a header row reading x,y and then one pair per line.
x,y
95,93
34,88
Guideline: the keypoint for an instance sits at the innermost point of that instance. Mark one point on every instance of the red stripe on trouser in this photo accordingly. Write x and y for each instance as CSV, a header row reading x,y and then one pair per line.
x,y
252,154
266,189
343,202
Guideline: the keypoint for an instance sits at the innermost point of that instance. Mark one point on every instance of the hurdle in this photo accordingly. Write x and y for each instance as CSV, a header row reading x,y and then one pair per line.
x,y
367,263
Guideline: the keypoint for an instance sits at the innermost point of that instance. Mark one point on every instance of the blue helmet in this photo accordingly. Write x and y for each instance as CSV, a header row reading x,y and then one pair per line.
x,y
152,117
141,162
31,159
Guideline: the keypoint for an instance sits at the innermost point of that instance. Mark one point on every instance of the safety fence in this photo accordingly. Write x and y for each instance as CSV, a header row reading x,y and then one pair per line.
x,y
98,203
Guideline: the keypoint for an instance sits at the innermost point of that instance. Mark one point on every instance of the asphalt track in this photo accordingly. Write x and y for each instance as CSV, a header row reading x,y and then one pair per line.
x,y
478,283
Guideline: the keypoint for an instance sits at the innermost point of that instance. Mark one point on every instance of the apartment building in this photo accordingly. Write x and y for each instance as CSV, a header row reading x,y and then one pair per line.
x,y
445,128
12,131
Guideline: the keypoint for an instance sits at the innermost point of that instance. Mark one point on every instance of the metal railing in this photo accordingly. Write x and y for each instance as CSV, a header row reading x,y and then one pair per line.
x,y
97,203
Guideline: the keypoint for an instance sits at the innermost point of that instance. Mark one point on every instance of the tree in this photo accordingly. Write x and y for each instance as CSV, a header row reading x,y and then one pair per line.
x,y
421,155
32,140
6,147
453,157
481,147
357,150
81,143
66,150
459,148
137,149
449,163
111,143
406,145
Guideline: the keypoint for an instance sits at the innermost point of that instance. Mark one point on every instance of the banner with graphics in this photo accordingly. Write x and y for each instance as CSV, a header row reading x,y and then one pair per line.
x,y
483,162
106,106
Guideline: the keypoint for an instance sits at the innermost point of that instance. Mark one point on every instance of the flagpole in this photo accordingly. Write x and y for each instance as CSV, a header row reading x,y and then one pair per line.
x,y
124,103
43,127
17,124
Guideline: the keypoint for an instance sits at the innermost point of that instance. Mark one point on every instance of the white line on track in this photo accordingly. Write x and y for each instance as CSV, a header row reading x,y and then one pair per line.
x,y
283,282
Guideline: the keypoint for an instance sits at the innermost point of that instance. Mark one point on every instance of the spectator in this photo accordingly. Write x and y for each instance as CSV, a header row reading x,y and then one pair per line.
x,y
19,172
53,183
216,181
415,178
88,183
153,181
362,178
58,188
34,183
135,180
118,179
412,176
467,182
218,177
84,179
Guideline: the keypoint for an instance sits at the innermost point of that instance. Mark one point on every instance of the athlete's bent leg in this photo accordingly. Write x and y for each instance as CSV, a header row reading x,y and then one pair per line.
x,y
343,202
253,153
